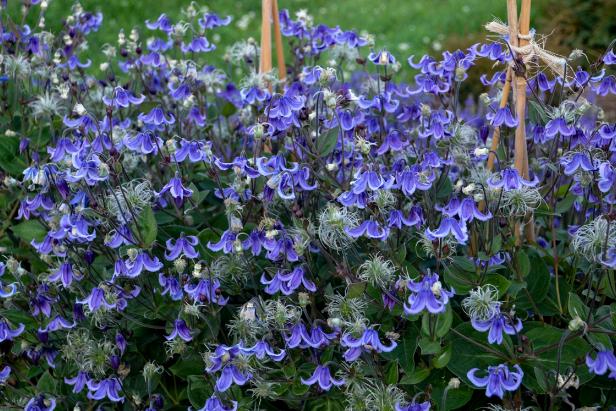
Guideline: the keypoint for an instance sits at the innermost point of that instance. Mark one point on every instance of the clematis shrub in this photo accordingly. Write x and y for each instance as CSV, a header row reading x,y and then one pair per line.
x,y
181,231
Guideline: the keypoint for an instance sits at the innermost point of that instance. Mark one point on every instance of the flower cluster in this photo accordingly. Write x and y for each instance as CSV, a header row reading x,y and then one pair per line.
x,y
177,236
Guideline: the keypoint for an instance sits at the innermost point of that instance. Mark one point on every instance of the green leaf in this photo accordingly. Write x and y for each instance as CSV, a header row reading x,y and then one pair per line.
x,y
46,383
190,364
565,204
600,341
356,290
429,347
405,350
576,307
29,230
148,226
10,159
198,390
443,322
546,339
441,360
455,398
476,352
537,284
464,264
415,377
391,375
501,283
325,403
522,264
228,110
462,281
298,388
327,142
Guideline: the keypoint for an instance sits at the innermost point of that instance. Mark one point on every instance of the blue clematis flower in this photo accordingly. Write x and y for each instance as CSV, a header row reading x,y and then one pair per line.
x,y
225,243
171,286
423,406
79,382
496,325
604,361
157,117
382,58
414,178
296,337
285,105
502,116
466,209
231,375
198,44
65,275
195,151
96,299
212,20
177,191
397,218
107,388
9,290
370,229
163,23
575,162
122,98
448,226
58,323
206,290
7,334
322,375
317,338
41,403
4,374
214,404
262,348
142,261
510,179
287,283
498,380
119,237
183,245
73,62
559,126
180,329
368,341
427,294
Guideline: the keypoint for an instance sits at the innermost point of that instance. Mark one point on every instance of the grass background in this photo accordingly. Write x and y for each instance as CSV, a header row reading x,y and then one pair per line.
x,y
403,26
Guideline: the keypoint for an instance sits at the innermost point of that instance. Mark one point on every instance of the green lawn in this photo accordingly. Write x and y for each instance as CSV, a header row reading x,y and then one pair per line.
x,y
403,26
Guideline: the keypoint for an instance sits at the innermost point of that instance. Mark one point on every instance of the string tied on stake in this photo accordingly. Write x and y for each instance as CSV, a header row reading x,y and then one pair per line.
x,y
557,64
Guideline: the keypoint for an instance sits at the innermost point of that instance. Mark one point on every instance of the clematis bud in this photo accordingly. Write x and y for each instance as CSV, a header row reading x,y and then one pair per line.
x,y
453,383
481,151
576,324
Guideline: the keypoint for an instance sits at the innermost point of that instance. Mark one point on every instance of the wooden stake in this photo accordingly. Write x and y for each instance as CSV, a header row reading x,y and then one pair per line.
x,y
521,151
282,68
265,64
496,135
269,13
512,17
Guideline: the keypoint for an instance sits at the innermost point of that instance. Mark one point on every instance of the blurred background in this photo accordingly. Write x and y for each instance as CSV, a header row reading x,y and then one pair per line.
x,y
404,27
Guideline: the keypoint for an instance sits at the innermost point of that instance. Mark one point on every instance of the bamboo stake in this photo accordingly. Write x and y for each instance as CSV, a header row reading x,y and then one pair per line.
x,y
269,11
265,64
497,131
521,151
512,17
282,69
